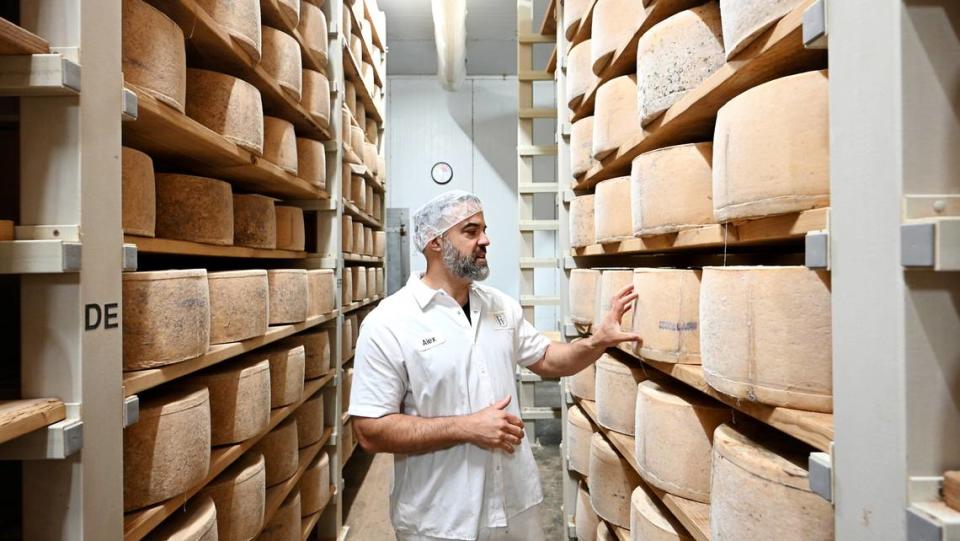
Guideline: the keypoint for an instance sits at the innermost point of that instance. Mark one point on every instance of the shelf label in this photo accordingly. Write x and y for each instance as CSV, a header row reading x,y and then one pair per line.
x,y
107,315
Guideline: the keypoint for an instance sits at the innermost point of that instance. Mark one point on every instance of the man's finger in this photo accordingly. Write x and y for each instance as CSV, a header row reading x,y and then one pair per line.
x,y
514,431
514,420
507,448
503,403
623,291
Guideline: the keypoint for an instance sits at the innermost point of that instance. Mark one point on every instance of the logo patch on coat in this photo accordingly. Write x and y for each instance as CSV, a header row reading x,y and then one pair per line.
x,y
501,319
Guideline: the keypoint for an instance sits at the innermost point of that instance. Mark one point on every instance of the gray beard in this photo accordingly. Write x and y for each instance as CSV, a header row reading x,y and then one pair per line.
x,y
463,266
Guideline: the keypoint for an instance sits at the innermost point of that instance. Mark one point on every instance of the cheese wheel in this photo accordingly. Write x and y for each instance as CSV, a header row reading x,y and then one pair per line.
x,y
367,241
347,385
309,418
239,494
286,374
667,314
614,24
616,392
241,19
313,28
346,233
370,156
585,518
358,241
346,288
380,282
350,100
372,130
285,523
615,117
613,216
239,305
357,142
381,169
138,193
584,296
166,317
316,345
280,143
358,191
196,521
583,384
312,162
752,471
239,399
675,56
154,56
369,208
254,221
573,11
229,106
582,228
765,335
347,338
359,283
671,189
773,149
362,117
280,452
168,450
744,20
291,234
579,75
281,60
315,485
283,14
356,48
606,532
674,433
321,287
288,295
316,95
581,147
611,282
648,522
346,22
579,431
379,243
611,482
196,209
371,282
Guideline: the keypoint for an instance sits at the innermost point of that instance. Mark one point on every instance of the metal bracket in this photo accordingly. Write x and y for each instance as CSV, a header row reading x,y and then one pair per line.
x,y
932,244
130,105
56,442
815,26
928,518
569,263
820,467
131,410
39,75
568,196
565,129
570,330
817,250
129,257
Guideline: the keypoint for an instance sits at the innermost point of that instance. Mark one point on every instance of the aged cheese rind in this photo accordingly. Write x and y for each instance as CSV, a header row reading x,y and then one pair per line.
x,y
309,418
154,56
581,147
612,481
573,11
611,282
291,234
316,95
672,189
648,522
196,521
254,221
283,14
579,432
239,305
280,143
281,60
772,149
227,105
196,209
280,452
614,24
321,286
615,116
579,75
765,335
241,19
582,227
315,485
584,296
613,219
239,399
240,495
586,518
138,193
286,374
583,384
616,394
379,243
285,523
312,162
313,28
667,314
745,20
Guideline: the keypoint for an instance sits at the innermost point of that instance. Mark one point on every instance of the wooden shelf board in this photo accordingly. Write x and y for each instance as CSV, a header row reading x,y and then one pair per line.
x,y
19,417
776,53
141,380
279,492
586,22
169,135
358,214
351,70
357,258
360,304
15,40
374,33
149,245
549,24
552,62
137,524
764,230
694,516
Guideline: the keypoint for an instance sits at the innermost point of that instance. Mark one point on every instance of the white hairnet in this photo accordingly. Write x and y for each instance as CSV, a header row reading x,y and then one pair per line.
x,y
441,213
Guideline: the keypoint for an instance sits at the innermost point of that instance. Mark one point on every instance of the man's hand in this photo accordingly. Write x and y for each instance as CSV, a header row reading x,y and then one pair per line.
x,y
494,428
608,333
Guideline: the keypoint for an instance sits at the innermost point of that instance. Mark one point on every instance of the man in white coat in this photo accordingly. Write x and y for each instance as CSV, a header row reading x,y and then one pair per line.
x,y
434,384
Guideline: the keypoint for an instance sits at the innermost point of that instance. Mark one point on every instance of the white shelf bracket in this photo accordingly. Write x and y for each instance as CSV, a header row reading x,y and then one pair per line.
x,y
817,250
928,518
55,442
820,467
131,410
815,25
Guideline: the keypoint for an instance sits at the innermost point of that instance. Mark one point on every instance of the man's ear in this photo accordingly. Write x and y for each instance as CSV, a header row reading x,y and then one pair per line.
x,y
435,245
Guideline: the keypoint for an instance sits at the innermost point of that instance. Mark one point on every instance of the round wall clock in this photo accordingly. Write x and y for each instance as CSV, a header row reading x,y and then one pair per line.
x,y
441,173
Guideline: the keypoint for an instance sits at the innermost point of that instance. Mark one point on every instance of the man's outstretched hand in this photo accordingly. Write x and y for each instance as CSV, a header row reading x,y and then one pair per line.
x,y
608,332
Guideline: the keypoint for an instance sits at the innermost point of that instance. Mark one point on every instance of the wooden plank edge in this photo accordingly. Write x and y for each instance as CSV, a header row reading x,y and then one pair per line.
x,y
549,24
586,22
19,417
155,245
16,40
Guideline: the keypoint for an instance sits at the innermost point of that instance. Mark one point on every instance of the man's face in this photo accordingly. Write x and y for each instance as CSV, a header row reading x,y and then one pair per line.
x,y
464,248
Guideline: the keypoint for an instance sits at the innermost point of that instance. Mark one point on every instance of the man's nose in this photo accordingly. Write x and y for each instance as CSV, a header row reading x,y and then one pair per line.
x,y
484,240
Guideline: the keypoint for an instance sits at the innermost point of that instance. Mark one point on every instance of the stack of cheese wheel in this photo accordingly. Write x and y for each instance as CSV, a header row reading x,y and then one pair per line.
x,y
321,287
760,490
613,219
649,522
586,518
611,481
286,374
573,11
196,209
254,221
281,60
166,317
168,450
582,228
675,56
197,521
581,147
765,335
579,76
674,433
312,162
579,431
138,193
285,523
615,116
313,28
316,350
316,96
291,233
584,296
667,314
155,60
309,418
239,305
227,105
611,282
614,24
315,485
671,189
240,494
772,149
239,399
616,393
241,19
744,20
280,452
288,295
